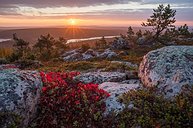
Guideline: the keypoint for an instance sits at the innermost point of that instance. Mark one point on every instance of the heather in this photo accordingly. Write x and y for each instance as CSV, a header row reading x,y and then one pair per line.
x,y
67,103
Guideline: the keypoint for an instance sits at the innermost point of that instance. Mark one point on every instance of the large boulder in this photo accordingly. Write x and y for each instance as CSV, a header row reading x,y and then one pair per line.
x,y
100,77
168,68
19,94
115,90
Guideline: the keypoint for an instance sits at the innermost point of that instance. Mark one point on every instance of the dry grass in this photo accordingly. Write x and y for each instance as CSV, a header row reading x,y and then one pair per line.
x,y
4,52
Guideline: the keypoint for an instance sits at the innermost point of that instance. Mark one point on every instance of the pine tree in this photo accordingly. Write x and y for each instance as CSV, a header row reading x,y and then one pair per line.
x,y
130,33
163,18
139,33
20,45
183,30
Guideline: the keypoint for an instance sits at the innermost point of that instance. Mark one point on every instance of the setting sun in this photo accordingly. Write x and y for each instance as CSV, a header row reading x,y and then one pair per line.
x,y
72,22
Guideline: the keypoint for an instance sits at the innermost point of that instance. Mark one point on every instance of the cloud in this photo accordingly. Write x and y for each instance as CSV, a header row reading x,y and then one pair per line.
x,y
59,3
167,1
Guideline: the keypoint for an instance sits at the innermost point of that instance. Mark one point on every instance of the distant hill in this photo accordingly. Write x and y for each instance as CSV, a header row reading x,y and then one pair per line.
x,y
31,34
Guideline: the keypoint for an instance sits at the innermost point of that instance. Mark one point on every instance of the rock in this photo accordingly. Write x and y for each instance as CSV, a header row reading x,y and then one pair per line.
x,y
77,55
128,64
68,53
89,54
3,61
101,77
171,43
19,94
168,68
131,81
73,57
115,90
141,40
108,54
120,43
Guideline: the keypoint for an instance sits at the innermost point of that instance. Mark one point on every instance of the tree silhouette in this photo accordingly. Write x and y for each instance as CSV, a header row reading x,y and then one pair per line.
x,y
20,45
45,42
139,33
183,30
163,18
130,33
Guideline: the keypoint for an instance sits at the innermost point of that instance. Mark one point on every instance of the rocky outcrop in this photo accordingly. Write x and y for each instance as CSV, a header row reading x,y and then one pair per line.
x,y
128,64
101,77
169,68
107,54
78,55
120,43
115,90
19,94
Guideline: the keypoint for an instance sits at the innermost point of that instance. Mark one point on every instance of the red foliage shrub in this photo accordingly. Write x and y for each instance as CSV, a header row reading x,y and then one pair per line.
x,y
67,103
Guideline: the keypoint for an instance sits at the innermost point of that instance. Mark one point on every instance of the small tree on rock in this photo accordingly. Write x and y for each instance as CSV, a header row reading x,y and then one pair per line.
x,y
163,18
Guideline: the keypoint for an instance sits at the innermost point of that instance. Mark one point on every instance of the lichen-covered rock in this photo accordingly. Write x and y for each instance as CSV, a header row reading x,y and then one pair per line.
x,y
128,64
115,90
120,43
168,68
100,77
89,54
19,94
131,81
108,54
78,55
73,57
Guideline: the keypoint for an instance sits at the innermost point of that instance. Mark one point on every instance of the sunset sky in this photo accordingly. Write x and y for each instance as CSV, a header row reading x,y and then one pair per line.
x,y
22,13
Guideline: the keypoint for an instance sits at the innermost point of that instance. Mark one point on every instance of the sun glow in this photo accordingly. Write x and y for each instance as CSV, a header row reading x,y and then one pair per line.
x,y
72,22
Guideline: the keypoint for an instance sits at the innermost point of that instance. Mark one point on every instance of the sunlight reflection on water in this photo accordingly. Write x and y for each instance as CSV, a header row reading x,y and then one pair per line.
x,y
2,40
87,39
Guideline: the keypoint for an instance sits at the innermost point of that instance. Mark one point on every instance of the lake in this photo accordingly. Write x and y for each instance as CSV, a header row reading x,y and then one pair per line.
x,y
88,39
2,40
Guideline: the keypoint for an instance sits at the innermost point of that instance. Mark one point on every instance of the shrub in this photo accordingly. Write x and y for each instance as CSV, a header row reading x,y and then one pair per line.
x,y
66,103
80,66
153,110
9,120
85,47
